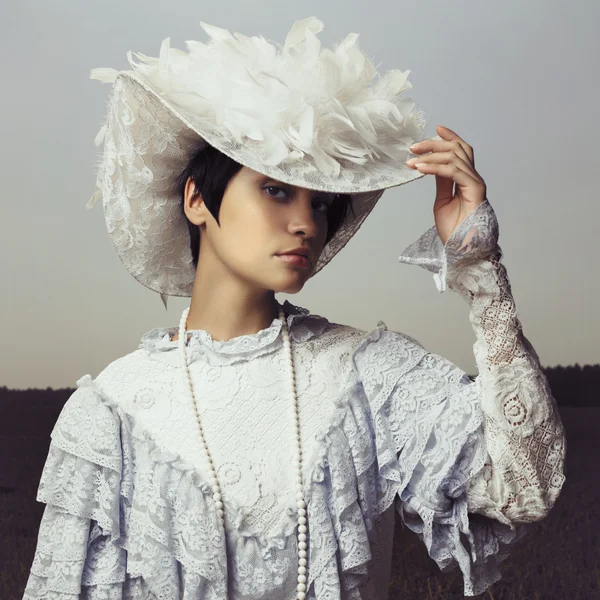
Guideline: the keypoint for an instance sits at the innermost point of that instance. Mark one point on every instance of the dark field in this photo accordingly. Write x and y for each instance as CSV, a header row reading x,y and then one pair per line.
x,y
559,560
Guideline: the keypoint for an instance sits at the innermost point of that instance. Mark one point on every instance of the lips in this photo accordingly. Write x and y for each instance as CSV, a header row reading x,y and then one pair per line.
x,y
302,252
296,254
298,260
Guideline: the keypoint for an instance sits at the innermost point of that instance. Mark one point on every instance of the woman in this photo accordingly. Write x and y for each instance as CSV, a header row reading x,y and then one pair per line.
x,y
259,451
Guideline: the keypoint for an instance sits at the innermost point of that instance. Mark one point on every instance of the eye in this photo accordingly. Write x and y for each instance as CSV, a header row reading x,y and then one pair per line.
x,y
328,201
274,187
325,204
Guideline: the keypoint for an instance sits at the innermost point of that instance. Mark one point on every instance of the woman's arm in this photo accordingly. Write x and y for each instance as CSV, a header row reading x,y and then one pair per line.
x,y
524,434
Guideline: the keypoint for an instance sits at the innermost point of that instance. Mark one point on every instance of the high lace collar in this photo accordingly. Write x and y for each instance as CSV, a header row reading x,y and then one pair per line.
x,y
302,325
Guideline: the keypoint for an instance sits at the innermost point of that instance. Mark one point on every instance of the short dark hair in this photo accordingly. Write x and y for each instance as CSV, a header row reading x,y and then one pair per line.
x,y
211,171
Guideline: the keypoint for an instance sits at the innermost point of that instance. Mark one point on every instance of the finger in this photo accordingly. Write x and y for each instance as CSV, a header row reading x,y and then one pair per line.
x,y
451,171
448,158
421,149
462,154
450,135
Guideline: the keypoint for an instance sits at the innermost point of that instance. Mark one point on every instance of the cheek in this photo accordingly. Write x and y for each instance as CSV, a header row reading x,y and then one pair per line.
x,y
248,233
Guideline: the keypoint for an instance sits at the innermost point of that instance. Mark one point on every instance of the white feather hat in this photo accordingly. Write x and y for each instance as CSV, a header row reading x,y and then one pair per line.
x,y
300,114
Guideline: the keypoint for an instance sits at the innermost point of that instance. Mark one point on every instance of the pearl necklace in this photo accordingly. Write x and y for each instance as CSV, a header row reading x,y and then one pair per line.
x,y
302,554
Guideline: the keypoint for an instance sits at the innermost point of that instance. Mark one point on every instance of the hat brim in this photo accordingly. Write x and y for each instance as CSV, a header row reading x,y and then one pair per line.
x,y
148,143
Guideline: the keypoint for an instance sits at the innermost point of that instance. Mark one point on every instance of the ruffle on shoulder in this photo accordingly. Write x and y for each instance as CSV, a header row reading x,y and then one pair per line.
x,y
476,238
112,531
80,483
358,475
429,443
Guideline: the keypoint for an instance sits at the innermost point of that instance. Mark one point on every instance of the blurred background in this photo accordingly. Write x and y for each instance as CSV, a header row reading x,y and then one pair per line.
x,y
514,79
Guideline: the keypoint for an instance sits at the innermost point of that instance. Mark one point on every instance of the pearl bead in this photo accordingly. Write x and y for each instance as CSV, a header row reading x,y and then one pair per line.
x,y
302,554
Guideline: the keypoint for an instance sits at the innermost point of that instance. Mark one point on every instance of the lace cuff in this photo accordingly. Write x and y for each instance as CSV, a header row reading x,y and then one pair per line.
x,y
80,487
476,238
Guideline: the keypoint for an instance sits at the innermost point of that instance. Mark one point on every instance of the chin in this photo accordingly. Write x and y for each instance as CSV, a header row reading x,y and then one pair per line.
x,y
289,285
291,288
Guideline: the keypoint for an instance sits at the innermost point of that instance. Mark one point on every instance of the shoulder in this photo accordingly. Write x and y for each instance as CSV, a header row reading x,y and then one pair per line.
x,y
385,357
381,357
369,340
370,347
127,379
88,425
97,405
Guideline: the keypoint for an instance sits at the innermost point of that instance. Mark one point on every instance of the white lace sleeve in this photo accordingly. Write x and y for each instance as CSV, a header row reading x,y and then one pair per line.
x,y
524,434
75,556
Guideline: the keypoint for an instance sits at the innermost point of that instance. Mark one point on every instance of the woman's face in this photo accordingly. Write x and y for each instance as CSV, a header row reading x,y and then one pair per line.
x,y
259,219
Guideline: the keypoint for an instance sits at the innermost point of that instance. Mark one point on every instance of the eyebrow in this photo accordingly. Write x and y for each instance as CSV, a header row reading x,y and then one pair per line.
x,y
267,178
295,187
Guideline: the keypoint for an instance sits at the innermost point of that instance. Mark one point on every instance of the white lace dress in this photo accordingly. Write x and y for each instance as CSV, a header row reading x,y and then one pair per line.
x,y
388,429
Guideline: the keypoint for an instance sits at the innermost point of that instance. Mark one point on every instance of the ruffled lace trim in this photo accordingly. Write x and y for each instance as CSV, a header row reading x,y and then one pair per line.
x,y
161,515
302,326
474,239
429,443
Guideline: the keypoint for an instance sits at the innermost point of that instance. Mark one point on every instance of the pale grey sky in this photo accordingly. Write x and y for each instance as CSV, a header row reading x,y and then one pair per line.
x,y
515,79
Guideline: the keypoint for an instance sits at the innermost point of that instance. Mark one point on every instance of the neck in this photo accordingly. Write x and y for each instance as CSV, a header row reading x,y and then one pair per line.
x,y
226,310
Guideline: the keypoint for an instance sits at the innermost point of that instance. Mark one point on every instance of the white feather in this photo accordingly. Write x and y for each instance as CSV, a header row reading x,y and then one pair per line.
x,y
290,101
104,74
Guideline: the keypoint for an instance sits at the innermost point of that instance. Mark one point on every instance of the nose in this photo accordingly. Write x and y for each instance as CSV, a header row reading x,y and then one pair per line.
x,y
303,217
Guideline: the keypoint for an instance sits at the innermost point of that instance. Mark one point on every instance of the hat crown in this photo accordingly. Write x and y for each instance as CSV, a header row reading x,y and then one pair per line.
x,y
292,103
